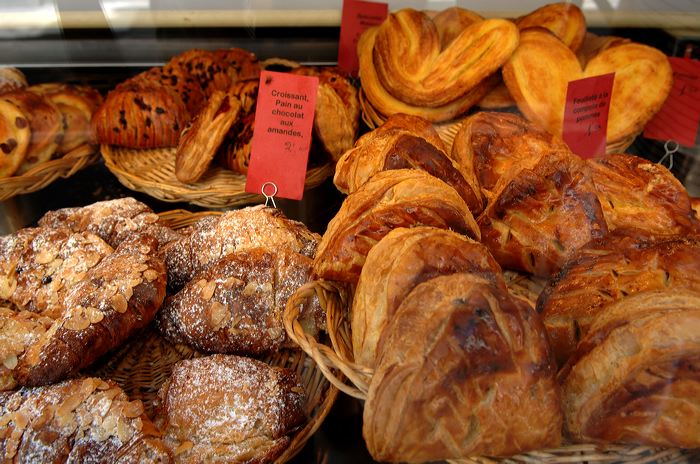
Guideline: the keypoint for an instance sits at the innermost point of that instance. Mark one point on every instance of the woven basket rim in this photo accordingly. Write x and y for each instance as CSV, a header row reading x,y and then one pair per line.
x,y
152,171
45,173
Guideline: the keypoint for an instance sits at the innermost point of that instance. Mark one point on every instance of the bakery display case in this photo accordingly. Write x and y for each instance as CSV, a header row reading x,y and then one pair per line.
x,y
494,259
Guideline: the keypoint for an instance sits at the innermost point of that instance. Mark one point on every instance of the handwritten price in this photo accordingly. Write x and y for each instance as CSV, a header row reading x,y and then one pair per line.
x,y
289,146
687,89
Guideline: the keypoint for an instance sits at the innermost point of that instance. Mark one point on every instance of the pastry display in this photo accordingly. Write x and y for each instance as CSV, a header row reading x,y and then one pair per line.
x,y
229,409
80,420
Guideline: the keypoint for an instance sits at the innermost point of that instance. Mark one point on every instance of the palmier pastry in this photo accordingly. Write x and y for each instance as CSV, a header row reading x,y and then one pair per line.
x,y
141,114
81,420
636,193
450,23
229,409
394,147
565,20
11,79
76,104
538,73
492,145
401,260
634,377
594,44
609,270
175,78
390,199
235,306
45,125
234,152
478,357
14,137
115,297
112,220
212,238
200,142
245,63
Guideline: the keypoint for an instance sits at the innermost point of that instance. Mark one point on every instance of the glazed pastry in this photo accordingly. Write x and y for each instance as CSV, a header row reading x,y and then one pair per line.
x,y
451,22
11,79
401,260
538,73
212,238
565,20
45,126
447,378
636,193
541,213
236,305
200,142
633,378
14,138
395,145
390,199
625,263
81,420
229,409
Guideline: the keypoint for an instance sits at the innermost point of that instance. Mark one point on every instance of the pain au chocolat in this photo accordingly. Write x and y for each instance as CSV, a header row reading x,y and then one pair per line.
x,y
401,260
14,137
390,199
634,376
611,269
405,142
474,377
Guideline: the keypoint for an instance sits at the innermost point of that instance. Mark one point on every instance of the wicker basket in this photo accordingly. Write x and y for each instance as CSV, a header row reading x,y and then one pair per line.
x,y
43,174
141,366
336,363
153,172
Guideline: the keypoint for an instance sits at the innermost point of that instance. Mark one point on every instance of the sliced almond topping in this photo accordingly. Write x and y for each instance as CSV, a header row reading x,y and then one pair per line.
x,y
141,267
184,447
150,275
208,290
20,420
133,409
124,432
43,419
218,314
119,303
94,314
10,362
45,256
79,321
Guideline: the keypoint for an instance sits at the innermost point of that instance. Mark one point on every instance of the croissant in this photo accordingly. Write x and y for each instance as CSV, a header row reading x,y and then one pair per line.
x,y
633,377
81,420
610,269
636,193
470,376
396,146
401,260
541,213
390,199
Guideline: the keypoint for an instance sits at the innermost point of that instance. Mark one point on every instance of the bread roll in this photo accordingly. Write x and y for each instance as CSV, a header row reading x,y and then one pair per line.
x,y
608,270
634,376
229,409
14,137
401,260
390,199
81,420
464,369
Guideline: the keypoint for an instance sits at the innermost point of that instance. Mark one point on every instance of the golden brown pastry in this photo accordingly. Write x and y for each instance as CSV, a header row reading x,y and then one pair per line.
x,y
492,145
401,260
472,376
564,20
390,199
541,213
538,73
234,152
76,104
235,306
141,114
200,142
498,98
14,138
81,420
634,377
450,23
207,68
115,297
45,125
112,220
695,205
594,44
397,145
244,63
226,409
176,79
11,79
625,263
214,237
636,193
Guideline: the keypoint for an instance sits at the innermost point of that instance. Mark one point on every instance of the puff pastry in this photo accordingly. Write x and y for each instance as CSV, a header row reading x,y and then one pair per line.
x,y
401,260
564,20
634,377
390,199
622,264
447,378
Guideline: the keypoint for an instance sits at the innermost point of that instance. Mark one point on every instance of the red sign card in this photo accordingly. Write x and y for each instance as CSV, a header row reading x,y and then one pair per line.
x,y
357,17
586,114
284,118
679,118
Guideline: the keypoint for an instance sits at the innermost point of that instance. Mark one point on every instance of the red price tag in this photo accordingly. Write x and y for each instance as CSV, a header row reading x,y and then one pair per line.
x,y
679,118
284,117
357,17
586,114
